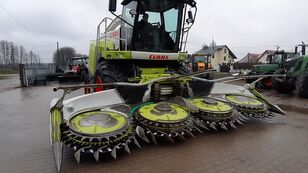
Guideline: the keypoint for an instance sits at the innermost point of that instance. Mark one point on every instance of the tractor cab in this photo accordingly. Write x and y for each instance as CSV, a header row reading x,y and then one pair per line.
x,y
200,62
153,26
301,49
299,64
280,58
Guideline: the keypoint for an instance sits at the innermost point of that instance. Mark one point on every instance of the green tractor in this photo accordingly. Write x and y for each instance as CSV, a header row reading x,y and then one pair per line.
x,y
296,71
276,61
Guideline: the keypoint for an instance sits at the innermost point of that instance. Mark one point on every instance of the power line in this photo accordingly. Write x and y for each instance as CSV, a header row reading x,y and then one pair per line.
x,y
21,25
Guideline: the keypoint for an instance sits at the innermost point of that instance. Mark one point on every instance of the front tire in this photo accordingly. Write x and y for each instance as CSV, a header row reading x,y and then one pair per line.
x,y
266,83
110,72
302,86
281,84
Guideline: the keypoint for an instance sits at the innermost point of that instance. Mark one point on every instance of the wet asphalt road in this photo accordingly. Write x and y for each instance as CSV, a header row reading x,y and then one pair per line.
x,y
9,82
280,145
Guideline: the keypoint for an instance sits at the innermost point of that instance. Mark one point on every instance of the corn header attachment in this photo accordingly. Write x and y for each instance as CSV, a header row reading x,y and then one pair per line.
x,y
110,121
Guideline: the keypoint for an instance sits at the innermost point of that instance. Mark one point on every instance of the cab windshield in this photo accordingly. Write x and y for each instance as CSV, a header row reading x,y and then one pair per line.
x,y
277,59
157,25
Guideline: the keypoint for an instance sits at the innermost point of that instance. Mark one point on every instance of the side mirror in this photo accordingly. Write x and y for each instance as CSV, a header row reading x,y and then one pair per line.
x,y
296,49
112,5
190,17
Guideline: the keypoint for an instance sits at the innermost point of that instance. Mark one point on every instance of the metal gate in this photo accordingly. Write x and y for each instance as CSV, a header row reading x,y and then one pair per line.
x,y
33,74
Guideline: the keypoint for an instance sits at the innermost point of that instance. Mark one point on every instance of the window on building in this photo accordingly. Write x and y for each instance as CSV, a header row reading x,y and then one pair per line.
x,y
225,50
225,58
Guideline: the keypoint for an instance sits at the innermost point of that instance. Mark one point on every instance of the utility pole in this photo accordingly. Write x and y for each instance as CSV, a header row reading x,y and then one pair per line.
x,y
31,57
57,54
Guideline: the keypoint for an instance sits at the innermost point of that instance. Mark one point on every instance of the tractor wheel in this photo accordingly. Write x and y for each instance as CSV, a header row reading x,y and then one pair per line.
x,y
110,72
281,85
266,83
302,86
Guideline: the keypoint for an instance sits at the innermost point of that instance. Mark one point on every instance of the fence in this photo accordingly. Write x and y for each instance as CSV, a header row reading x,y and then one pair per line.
x,y
32,74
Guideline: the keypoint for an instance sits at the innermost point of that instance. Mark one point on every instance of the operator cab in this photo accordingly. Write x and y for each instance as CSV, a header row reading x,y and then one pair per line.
x,y
152,25
280,57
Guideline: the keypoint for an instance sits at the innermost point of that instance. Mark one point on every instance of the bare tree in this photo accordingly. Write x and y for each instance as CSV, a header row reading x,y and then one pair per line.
x,y
22,54
11,54
63,55
2,52
7,53
31,55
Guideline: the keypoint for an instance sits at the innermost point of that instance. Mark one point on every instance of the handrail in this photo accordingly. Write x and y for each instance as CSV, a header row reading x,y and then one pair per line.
x,y
105,36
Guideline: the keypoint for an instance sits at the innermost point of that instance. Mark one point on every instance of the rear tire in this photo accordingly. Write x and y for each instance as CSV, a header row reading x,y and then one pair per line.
x,y
266,83
302,86
110,72
281,86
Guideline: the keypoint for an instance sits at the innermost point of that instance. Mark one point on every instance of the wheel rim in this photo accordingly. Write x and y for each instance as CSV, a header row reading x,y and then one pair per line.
x,y
268,82
98,81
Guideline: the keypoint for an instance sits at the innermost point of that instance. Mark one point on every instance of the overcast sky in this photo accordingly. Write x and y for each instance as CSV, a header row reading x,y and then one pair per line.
x,y
244,25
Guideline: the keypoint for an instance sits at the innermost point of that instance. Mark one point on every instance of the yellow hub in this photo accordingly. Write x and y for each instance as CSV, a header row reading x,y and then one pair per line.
x,y
98,122
210,105
244,100
163,112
